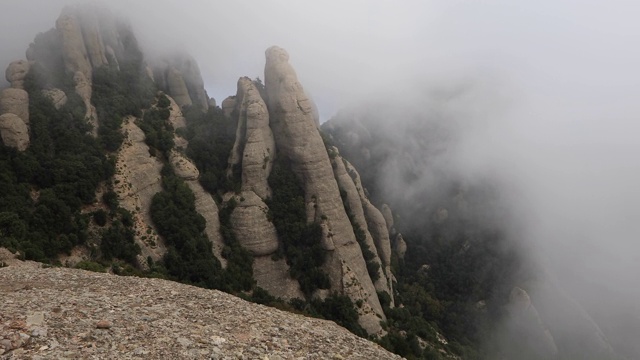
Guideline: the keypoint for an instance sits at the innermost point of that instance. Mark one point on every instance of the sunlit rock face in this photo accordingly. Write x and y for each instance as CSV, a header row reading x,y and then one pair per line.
x,y
297,138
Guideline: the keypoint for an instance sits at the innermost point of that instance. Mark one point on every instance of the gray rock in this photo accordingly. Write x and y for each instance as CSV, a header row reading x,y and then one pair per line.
x,y
16,72
347,184
74,51
177,87
228,105
136,181
254,147
15,101
250,225
400,246
57,97
14,131
388,216
298,139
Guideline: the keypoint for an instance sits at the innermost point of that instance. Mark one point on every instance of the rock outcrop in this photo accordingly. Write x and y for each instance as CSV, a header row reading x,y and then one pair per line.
x,y
184,168
228,105
258,235
136,180
388,217
15,101
179,76
254,148
58,97
74,51
16,72
14,131
193,79
252,228
527,334
177,87
56,313
400,246
297,139
355,206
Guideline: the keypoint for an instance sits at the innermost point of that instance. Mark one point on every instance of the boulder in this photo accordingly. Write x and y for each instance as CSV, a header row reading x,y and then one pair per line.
x,y
400,246
251,226
212,102
228,105
183,167
58,97
14,132
15,101
298,139
16,72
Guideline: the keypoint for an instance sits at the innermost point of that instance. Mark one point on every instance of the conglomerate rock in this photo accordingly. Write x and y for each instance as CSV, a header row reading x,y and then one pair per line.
x,y
297,138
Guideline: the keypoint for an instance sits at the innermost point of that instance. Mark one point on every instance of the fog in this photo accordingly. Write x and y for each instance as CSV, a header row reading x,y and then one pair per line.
x,y
553,109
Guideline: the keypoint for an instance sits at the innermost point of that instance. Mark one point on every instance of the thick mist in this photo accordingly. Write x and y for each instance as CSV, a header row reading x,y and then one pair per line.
x,y
543,97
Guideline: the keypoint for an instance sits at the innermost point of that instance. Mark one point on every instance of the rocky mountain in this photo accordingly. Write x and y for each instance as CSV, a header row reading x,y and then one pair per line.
x,y
116,162
113,160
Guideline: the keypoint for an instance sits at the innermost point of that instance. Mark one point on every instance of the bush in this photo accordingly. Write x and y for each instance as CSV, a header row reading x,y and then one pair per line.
x,y
300,242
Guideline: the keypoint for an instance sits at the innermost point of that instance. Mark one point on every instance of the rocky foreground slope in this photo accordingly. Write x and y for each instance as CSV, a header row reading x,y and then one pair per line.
x,y
58,313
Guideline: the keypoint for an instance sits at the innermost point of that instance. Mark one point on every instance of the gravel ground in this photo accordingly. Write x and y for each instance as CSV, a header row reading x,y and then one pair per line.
x,y
59,313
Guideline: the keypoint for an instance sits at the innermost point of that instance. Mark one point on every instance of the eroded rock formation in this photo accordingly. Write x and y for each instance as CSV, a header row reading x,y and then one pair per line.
x,y
16,72
355,206
184,168
254,148
136,180
14,131
15,101
179,76
58,97
297,138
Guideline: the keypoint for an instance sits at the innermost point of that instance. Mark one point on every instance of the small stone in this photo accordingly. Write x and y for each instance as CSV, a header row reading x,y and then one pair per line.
x,y
103,324
39,332
43,348
217,340
6,344
184,341
17,325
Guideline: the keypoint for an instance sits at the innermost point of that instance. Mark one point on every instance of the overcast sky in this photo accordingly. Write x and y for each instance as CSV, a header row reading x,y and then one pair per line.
x,y
564,77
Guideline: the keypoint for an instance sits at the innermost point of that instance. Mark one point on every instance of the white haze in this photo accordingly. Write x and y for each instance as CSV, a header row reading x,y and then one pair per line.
x,y
558,83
